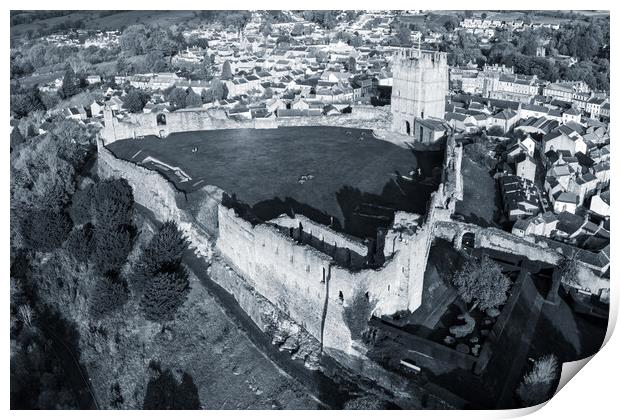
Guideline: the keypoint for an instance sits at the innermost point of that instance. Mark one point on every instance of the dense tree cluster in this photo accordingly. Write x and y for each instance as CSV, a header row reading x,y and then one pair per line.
x,y
105,211
327,19
43,178
141,39
585,39
234,19
135,100
25,100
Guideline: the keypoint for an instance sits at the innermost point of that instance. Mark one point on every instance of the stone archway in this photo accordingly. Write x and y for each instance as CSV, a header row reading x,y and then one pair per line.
x,y
161,119
467,240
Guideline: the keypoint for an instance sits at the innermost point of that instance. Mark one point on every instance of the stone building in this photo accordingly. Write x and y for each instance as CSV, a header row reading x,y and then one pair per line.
x,y
419,88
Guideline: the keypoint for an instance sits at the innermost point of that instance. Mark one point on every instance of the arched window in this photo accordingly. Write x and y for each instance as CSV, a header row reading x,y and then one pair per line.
x,y
161,119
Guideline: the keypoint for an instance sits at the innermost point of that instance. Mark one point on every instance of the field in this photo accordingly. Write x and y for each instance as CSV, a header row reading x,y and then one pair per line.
x,y
322,172
97,20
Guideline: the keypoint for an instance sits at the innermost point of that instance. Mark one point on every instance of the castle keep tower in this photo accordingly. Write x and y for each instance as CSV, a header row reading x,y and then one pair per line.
x,y
419,88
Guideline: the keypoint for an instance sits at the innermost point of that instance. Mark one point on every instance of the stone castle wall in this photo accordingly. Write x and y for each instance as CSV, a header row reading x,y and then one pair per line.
x,y
154,192
139,125
300,297
152,124
307,284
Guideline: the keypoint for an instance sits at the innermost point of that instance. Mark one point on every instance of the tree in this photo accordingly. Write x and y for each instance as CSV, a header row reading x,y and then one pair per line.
x,y
451,23
267,29
537,384
403,35
70,83
112,203
80,244
164,294
205,69
177,97
352,65
133,40
482,282
111,214
36,55
25,101
135,100
298,29
226,71
495,130
16,138
193,100
45,229
154,62
108,295
163,253
112,246
32,131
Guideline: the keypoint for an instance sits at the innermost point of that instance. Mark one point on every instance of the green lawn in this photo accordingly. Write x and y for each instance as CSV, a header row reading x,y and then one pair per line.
x,y
479,203
353,173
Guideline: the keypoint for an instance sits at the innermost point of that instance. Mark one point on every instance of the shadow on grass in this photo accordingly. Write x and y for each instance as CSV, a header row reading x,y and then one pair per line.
x,y
164,392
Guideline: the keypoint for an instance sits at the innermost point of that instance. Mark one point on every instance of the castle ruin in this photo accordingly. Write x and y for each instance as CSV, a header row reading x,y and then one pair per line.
x,y
419,88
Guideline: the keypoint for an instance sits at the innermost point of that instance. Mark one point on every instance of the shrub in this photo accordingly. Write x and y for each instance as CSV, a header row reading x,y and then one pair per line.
x,y
164,294
537,383
369,402
108,295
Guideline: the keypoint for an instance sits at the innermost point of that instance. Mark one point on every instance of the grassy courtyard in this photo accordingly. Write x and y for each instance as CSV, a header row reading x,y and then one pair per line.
x,y
480,195
322,172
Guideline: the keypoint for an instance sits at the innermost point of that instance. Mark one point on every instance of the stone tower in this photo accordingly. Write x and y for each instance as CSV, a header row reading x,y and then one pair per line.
x,y
419,89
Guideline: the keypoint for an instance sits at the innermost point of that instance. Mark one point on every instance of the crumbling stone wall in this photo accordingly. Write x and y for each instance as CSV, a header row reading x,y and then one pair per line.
x,y
162,124
307,285
310,287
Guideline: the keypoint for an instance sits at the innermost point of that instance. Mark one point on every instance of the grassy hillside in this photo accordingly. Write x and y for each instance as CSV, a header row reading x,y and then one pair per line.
x,y
102,20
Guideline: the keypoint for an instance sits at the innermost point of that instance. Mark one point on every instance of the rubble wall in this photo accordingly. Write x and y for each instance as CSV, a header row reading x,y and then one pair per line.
x,y
138,125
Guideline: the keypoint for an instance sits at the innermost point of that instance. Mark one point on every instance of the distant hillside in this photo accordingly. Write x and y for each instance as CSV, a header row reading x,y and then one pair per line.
x,y
21,22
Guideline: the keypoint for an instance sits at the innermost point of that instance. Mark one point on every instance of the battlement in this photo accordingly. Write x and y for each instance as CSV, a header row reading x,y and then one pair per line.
x,y
413,57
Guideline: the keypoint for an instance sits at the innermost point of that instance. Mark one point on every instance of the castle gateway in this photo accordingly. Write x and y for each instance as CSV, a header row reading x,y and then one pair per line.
x,y
419,89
